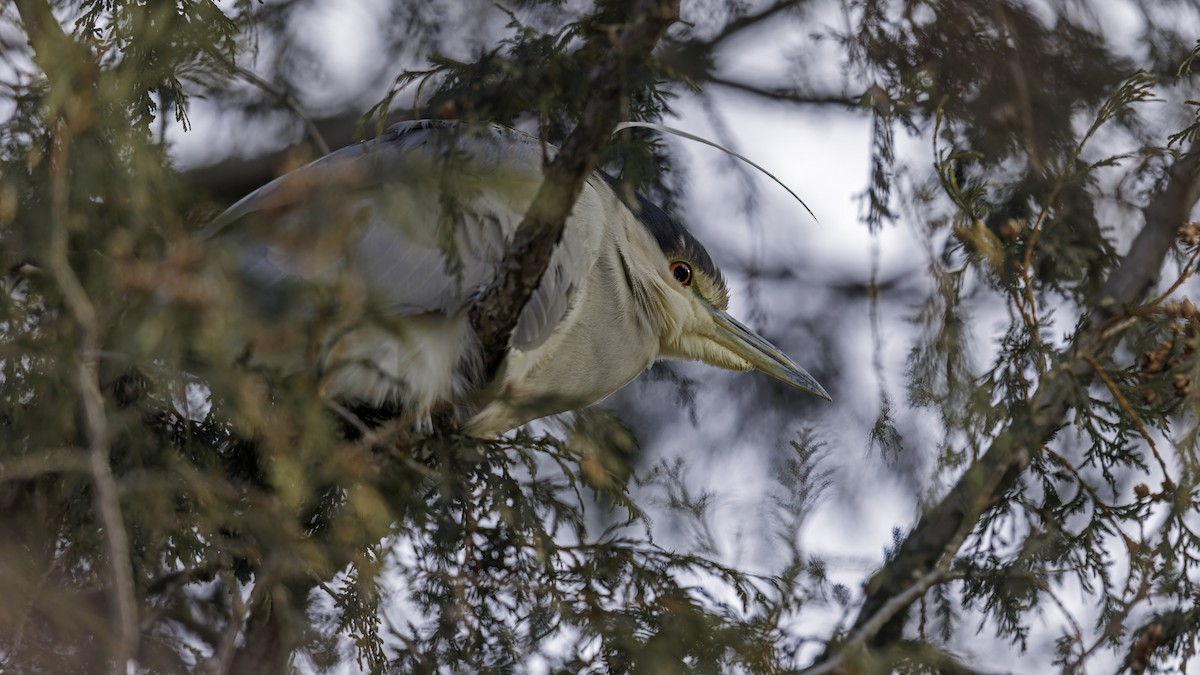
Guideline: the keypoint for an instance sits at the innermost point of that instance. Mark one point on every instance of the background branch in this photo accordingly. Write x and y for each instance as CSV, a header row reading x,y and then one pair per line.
x,y
1160,631
72,77
942,528
285,97
787,95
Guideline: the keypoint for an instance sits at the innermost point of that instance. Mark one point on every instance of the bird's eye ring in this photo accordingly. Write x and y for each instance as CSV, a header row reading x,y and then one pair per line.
x,y
682,272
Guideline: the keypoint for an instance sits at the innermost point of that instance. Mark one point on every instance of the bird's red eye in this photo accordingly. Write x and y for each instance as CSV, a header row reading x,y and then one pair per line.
x,y
682,272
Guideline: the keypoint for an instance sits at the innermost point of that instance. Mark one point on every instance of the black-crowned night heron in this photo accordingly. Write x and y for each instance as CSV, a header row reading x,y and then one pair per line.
x,y
404,231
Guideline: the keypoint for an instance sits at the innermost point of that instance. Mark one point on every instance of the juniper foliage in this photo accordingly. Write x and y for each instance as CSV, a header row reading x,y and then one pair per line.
x,y
165,503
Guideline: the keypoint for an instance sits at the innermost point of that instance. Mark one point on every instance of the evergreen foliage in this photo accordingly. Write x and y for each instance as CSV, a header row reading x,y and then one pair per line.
x,y
167,504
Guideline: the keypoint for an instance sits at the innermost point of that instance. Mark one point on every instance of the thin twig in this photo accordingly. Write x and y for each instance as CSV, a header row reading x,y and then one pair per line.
x,y
285,97
788,95
1125,407
165,586
737,26
365,433
1189,269
1075,627
324,586
893,606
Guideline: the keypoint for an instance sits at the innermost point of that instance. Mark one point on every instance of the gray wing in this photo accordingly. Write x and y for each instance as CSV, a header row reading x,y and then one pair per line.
x,y
422,215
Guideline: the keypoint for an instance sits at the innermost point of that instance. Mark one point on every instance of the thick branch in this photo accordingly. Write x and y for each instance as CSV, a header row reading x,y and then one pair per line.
x,y
51,45
494,314
943,527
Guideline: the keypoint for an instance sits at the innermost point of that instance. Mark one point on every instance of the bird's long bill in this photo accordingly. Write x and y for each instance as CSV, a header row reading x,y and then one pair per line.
x,y
761,354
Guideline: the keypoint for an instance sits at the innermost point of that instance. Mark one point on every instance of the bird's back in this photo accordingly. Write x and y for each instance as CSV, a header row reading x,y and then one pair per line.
x,y
386,243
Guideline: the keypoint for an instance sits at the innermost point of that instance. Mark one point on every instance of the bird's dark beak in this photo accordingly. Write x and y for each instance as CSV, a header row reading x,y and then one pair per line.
x,y
763,355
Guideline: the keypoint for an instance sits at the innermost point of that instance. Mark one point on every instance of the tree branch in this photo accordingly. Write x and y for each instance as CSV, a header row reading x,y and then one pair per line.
x,y
262,649
787,95
937,660
285,97
851,648
941,529
735,27
65,460
1162,630
55,54
494,314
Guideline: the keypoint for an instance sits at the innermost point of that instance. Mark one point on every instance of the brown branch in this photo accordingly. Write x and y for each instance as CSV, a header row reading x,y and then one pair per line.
x,y
1189,270
70,69
852,647
1126,408
936,660
494,314
45,34
27,615
941,529
51,461
107,500
239,614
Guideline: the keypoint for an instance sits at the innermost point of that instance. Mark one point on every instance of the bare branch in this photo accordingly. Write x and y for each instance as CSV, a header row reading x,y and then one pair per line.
x,y
26,617
264,646
239,612
937,660
234,177
285,97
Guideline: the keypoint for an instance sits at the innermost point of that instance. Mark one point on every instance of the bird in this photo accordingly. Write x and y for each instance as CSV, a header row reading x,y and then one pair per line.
x,y
399,235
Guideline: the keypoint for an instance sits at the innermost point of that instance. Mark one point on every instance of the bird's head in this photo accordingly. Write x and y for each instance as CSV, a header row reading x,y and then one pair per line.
x,y
691,299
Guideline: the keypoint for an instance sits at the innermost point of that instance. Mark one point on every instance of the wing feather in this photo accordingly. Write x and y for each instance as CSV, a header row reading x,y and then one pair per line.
x,y
423,215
